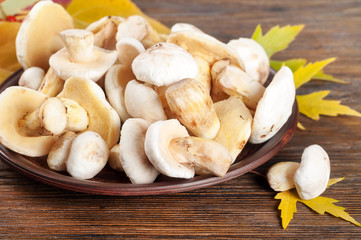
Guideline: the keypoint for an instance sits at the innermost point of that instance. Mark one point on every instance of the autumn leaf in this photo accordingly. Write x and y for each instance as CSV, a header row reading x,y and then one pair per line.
x,y
319,204
277,38
296,63
86,12
305,73
287,206
313,105
324,204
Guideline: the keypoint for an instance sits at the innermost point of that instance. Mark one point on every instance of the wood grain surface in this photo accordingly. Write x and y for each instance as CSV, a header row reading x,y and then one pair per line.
x,y
241,208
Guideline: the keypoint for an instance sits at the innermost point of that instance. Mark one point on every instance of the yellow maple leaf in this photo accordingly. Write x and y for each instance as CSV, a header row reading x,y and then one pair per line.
x,y
277,38
319,204
8,60
287,206
324,204
305,73
86,12
295,63
313,105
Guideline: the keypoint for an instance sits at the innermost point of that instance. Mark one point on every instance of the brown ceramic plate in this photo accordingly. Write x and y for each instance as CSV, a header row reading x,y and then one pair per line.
x,y
110,182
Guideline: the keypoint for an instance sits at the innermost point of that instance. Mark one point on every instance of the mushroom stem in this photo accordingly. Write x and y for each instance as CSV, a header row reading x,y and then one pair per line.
x,y
55,116
79,44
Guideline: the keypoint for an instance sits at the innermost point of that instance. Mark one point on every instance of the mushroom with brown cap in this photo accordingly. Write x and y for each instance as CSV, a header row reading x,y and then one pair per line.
x,y
80,58
103,119
311,178
38,37
256,61
142,101
164,64
12,109
132,154
31,78
275,106
156,145
88,155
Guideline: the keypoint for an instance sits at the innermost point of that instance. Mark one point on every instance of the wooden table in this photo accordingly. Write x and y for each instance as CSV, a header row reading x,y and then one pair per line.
x,y
243,207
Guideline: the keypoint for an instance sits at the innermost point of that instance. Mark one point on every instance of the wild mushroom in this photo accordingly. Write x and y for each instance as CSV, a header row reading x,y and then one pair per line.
x,y
80,58
178,27
88,155
141,101
156,145
38,37
137,27
115,82
311,178
51,84
54,116
164,64
280,175
31,78
114,159
275,107
256,61
236,124
217,92
59,152
204,73
134,160
105,30
128,49
204,154
12,109
235,82
204,46
193,106
103,119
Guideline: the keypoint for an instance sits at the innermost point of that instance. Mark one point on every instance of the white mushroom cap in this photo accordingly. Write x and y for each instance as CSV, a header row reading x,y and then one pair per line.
x,y
128,49
15,103
254,56
38,37
142,101
275,107
80,58
178,27
164,64
311,178
157,140
32,78
134,160
88,155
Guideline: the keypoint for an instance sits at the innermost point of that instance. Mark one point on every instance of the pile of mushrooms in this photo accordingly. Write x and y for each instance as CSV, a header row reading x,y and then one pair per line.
x,y
145,103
